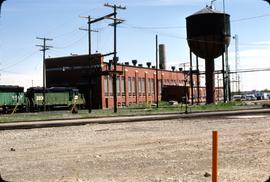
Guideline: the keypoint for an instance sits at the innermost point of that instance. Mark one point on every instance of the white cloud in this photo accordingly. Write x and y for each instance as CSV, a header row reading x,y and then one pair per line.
x,y
25,80
254,59
258,53
262,43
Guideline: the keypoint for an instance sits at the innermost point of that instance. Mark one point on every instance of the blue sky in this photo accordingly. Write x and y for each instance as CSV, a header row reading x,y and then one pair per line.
x,y
23,20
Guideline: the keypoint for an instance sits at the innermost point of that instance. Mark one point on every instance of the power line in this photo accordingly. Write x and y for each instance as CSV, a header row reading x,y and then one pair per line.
x,y
19,62
12,72
66,33
158,27
150,31
176,36
251,70
182,27
71,44
68,20
184,38
250,18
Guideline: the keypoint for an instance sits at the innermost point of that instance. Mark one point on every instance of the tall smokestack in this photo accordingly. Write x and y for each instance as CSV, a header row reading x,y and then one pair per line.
x,y
162,56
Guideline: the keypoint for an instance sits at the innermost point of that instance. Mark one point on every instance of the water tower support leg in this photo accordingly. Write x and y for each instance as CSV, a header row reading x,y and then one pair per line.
x,y
210,80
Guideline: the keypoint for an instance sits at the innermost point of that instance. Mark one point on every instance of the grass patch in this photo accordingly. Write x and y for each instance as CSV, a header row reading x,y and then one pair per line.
x,y
133,110
218,106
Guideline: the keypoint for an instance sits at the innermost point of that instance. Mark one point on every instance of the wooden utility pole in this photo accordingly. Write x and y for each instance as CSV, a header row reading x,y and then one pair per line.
x,y
198,80
90,95
90,22
44,48
157,65
116,21
191,76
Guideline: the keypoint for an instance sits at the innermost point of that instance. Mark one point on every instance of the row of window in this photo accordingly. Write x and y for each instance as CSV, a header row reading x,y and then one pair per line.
x,y
140,86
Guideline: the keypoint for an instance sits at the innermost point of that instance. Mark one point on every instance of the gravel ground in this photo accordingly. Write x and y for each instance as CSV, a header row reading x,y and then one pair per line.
x,y
156,151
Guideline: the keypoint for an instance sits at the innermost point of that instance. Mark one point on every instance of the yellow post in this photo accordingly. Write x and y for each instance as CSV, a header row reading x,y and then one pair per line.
x,y
215,157
74,105
15,108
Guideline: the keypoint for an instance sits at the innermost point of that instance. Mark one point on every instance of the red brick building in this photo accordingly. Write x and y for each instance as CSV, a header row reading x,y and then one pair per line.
x,y
136,84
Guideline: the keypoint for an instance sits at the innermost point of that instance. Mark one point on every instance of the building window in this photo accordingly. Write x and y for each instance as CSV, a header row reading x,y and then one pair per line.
x,y
143,86
106,86
167,82
111,86
123,89
159,87
153,87
181,83
149,87
139,86
129,86
118,85
133,86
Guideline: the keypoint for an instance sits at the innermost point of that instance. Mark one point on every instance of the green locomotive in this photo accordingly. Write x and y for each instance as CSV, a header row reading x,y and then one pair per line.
x,y
14,98
11,97
55,98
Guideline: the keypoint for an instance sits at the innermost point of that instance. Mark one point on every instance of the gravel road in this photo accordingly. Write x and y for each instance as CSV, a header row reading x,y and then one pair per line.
x,y
154,151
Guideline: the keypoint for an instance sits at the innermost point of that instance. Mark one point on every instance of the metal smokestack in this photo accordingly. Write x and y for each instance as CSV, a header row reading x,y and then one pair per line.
x,y
134,62
148,64
162,56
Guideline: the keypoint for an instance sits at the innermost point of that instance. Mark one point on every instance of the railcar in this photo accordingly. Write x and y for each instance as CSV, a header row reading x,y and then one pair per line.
x,y
54,98
11,97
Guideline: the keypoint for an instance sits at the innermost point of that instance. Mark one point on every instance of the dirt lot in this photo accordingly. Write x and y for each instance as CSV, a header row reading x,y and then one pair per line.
x,y
156,151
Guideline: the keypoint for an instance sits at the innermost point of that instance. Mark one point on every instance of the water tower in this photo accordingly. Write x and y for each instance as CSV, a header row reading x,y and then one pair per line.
x,y
208,34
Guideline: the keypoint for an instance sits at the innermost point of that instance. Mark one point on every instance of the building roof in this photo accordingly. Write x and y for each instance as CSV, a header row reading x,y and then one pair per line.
x,y
11,88
207,10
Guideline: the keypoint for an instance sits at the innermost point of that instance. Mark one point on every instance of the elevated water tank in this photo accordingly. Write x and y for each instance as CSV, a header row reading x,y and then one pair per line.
x,y
208,33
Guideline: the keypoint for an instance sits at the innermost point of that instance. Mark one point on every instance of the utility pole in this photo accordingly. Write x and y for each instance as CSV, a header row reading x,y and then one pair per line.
x,y
191,76
185,80
157,89
237,77
225,63
115,58
108,16
44,48
90,61
224,79
198,79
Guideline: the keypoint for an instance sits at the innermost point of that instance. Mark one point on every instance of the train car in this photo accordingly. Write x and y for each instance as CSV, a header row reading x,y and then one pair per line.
x,y
55,98
11,97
